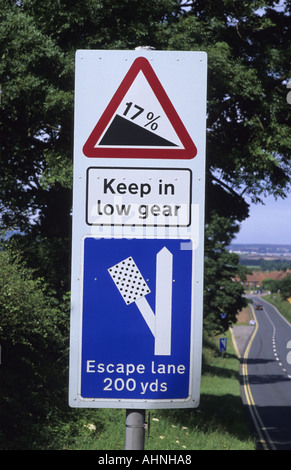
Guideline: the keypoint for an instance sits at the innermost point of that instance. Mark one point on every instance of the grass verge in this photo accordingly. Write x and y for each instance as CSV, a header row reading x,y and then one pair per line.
x,y
283,306
219,423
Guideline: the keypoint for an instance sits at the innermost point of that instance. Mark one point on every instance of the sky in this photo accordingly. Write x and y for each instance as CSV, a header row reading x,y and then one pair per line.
x,y
269,224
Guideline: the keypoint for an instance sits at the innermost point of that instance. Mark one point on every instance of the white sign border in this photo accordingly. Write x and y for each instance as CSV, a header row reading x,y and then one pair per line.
x,y
185,79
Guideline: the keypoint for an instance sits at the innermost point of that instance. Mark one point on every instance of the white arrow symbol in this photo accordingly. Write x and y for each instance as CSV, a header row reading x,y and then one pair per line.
x,y
164,279
133,288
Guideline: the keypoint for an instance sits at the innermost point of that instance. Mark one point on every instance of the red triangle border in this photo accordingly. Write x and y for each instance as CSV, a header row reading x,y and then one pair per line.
x,y
188,152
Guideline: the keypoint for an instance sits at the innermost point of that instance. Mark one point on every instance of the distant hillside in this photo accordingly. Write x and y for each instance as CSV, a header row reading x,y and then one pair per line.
x,y
263,257
258,250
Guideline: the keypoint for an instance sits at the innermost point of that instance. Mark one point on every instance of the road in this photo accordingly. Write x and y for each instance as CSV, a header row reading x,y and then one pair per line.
x,y
266,377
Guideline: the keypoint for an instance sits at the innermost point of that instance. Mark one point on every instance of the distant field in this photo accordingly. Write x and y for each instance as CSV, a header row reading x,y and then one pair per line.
x,y
252,267
263,257
283,306
263,250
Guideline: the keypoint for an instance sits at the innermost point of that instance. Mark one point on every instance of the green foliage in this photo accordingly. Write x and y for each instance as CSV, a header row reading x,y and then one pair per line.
x,y
223,294
270,285
248,141
37,53
267,264
33,338
248,125
282,305
283,286
248,153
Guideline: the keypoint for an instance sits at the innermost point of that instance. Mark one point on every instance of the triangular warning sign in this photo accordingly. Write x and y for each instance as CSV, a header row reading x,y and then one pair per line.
x,y
140,121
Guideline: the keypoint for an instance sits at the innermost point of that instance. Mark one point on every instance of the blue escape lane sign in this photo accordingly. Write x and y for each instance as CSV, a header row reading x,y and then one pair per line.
x,y
136,319
222,344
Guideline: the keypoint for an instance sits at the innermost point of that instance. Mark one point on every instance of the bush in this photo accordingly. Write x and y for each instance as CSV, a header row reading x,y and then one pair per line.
x,y
34,345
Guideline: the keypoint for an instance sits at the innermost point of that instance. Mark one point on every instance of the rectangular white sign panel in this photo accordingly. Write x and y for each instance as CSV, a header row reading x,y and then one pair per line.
x,y
146,196
138,229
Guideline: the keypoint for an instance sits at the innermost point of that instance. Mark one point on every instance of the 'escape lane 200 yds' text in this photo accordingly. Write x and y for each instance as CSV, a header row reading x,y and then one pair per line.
x,y
122,376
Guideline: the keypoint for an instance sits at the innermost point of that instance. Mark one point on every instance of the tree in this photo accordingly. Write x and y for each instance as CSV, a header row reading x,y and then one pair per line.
x,y
271,285
285,287
33,338
248,157
223,296
248,138
248,127
37,83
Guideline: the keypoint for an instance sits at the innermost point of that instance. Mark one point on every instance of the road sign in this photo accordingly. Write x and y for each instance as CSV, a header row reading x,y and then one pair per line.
x,y
222,344
138,203
136,321
140,125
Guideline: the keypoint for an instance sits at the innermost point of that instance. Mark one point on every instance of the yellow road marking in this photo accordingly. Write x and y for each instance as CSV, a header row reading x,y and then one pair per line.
x,y
258,423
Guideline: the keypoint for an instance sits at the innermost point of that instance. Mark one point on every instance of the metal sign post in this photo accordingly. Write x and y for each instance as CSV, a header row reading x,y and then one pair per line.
x,y
135,429
138,231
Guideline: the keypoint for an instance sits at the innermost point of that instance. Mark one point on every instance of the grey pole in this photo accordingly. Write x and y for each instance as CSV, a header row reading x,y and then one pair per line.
x,y
134,429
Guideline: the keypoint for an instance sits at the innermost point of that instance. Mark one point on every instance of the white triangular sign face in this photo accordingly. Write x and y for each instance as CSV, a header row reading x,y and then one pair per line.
x,y
140,121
